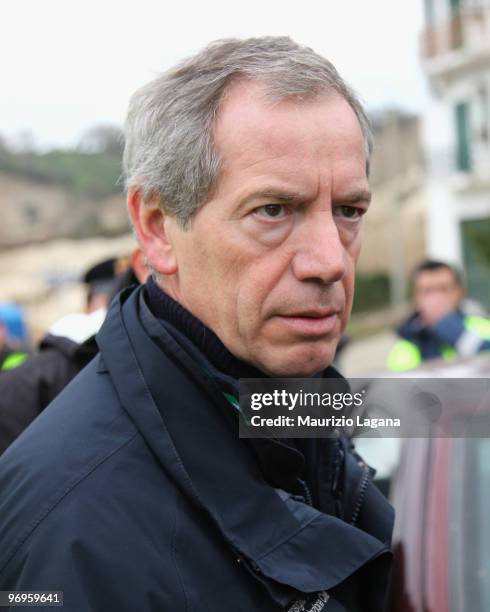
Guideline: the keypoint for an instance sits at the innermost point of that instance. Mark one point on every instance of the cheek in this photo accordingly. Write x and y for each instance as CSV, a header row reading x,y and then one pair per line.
x,y
348,284
352,252
223,284
457,298
259,290
354,248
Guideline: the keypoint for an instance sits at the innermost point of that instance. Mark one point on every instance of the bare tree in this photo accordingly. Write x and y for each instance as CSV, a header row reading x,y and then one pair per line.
x,y
103,139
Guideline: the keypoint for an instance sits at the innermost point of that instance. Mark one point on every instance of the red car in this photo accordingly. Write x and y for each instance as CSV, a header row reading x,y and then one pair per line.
x,y
441,493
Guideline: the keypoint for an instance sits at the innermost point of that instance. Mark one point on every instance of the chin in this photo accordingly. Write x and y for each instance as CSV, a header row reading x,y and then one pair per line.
x,y
301,362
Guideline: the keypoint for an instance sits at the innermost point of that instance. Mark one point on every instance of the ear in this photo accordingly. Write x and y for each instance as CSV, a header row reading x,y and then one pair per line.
x,y
150,222
138,265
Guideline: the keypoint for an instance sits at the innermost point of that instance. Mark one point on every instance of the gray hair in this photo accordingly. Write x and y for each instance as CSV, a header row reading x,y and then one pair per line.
x,y
170,152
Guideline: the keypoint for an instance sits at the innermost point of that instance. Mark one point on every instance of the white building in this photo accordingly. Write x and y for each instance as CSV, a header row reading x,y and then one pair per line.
x,y
456,58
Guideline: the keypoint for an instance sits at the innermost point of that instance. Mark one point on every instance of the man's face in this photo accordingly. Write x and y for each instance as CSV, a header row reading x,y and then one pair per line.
x,y
436,293
268,263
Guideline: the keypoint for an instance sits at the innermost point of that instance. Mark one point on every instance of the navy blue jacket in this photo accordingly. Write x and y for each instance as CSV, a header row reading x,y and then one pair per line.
x,y
465,334
25,391
132,492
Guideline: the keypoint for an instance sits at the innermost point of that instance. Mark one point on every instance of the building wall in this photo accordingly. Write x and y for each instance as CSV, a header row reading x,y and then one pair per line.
x,y
34,212
457,129
394,234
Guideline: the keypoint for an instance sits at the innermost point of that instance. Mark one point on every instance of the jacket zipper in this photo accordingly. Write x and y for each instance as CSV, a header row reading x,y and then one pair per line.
x,y
362,492
307,494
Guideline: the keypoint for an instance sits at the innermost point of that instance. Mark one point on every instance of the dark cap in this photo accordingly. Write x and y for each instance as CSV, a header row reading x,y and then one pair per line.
x,y
101,277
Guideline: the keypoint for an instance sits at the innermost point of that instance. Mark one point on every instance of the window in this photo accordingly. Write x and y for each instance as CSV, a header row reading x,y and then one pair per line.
x,y
455,5
469,527
476,252
473,4
429,12
463,153
31,213
483,114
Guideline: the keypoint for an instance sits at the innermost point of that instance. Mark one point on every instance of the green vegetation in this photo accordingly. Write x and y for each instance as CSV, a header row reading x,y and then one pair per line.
x,y
372,292
93,175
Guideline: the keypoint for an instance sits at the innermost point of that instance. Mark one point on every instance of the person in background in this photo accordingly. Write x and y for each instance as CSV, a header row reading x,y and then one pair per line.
x,y
441,325
100,280
12,337
27,390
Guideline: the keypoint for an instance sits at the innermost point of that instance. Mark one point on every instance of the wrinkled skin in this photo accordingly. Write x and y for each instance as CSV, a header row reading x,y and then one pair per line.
x,y
269,261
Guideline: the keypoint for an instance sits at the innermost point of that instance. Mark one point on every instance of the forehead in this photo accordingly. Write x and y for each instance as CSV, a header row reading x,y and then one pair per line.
x,y
430,278
290,138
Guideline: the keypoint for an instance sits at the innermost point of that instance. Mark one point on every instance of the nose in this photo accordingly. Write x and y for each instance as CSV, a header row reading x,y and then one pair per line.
x,y
320,255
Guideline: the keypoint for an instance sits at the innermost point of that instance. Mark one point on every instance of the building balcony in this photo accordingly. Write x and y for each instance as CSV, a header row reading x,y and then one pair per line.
x,y
461,43
444,167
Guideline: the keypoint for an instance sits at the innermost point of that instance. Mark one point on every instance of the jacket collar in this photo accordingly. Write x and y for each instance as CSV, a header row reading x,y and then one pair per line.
x,y
197,444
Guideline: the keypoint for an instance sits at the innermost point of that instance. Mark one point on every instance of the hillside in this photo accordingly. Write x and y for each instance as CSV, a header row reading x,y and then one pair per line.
x,y
60,194
94,175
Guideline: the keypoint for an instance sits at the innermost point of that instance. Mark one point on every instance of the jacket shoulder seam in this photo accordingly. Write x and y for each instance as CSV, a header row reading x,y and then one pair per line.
x,y
59,498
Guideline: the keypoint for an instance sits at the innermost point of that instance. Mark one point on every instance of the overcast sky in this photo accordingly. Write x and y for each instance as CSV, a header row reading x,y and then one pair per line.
x,y
67,65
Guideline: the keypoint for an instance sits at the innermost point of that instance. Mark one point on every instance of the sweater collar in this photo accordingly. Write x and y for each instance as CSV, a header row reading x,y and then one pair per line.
x,y
207,342
170,312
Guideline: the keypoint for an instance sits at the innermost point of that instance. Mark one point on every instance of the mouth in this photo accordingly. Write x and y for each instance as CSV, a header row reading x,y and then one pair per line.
x,y
316,322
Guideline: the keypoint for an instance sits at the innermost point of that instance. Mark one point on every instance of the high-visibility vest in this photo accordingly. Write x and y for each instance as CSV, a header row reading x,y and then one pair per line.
x,y
13,360
406,355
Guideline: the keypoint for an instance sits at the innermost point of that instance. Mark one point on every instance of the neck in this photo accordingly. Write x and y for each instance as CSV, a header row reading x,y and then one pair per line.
x,y
166,308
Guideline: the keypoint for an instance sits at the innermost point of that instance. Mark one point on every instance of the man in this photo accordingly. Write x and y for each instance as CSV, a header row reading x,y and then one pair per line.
x,y
440,325
100,280
26,390
246,170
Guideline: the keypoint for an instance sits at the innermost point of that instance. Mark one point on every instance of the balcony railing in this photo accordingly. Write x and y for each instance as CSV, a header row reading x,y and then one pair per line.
x,y
468,27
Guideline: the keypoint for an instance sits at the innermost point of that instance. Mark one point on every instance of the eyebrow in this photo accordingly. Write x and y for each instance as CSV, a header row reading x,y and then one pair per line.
x,y
274,194
357,196
286,197
277,195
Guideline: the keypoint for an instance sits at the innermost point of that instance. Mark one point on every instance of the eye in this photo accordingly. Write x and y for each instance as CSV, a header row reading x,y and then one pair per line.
x,y
349,212
272,211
